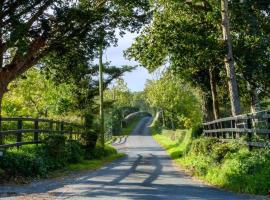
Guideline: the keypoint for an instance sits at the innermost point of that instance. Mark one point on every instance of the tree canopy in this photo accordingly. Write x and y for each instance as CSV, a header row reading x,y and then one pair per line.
x,y
67,32
186,37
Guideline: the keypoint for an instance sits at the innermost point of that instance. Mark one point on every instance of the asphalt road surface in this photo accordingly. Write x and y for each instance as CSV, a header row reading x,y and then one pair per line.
x,y
146,172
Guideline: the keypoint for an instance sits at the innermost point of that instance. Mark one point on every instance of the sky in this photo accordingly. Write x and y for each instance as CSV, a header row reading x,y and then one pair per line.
x,y
135,79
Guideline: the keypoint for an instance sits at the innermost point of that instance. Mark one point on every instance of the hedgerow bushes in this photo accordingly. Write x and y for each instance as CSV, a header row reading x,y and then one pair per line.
x,y
75,151
56,153
228,165
23,162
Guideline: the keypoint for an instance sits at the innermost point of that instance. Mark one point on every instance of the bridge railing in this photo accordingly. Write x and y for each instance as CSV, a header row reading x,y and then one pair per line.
x,y
249,125
19,131
131,116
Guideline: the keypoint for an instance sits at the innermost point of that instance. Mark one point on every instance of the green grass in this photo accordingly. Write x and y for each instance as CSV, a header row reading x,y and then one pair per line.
x,y
226,165
175,142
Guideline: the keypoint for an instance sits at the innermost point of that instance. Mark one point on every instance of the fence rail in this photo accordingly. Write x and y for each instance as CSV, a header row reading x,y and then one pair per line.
x,y
250,125
18,127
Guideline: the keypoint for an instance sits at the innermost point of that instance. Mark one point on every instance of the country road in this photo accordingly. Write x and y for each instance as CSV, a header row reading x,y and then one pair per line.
x,y
145,173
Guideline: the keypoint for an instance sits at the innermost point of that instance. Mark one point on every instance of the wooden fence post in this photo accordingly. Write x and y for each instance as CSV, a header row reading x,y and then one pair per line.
x,y
268,120
19,128
217,127
249,126
36,132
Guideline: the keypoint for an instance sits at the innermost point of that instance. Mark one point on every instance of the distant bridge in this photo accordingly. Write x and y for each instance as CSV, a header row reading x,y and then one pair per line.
x,y
129,118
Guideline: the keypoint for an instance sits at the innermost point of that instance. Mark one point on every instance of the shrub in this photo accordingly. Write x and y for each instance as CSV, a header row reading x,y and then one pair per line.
x,y
75,151
33,161
221,150
228,165
22,163
246,172
197,131
55,145
90,139
203,145
55,152
90,136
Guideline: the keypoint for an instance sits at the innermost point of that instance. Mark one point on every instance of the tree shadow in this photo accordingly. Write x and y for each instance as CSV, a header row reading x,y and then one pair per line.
x,y
146,173
121,140
133,177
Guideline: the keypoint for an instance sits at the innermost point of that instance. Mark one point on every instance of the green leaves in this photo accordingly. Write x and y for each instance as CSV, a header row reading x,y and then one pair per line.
x,y
177,99
35,95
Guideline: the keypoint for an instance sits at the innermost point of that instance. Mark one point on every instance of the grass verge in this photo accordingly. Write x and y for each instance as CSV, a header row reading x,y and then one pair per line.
x,y
226,165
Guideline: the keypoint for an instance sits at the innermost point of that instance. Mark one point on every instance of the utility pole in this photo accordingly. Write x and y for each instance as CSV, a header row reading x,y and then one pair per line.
x,y
101,109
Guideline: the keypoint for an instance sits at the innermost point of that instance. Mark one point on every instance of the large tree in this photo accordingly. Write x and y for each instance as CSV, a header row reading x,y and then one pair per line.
x,y
229,59
189,39
184,36
251,36
178,101
31,30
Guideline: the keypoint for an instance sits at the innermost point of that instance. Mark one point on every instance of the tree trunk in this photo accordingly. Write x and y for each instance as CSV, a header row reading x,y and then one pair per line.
x,y
229,60
254,99
172,123
1,35
213,84
101,111
1,100
3,90
207,108
163,119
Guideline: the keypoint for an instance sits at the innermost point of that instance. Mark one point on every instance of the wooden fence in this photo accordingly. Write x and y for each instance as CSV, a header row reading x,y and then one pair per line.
x,y
248,125
18,131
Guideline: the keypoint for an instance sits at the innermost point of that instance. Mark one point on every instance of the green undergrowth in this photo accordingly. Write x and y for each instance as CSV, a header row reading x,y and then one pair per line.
x,y
226,165
55,157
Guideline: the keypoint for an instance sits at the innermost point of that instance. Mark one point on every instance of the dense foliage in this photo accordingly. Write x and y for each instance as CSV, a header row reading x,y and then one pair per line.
x,y
39,161
227,165
61,39
120,102
186,37
62,31
47,69
179,102
37,95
